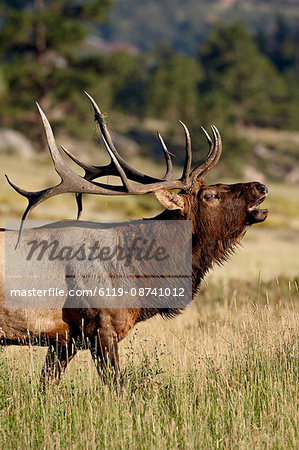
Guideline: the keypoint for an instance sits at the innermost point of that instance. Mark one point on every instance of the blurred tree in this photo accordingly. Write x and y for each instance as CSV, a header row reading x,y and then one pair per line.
x,y
130,77
239,87
172,91
37,41
235,70
3,86
282,48
42,27
280,45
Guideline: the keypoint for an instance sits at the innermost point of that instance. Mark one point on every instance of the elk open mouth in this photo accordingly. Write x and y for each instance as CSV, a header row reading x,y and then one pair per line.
x,y
257,203
256,214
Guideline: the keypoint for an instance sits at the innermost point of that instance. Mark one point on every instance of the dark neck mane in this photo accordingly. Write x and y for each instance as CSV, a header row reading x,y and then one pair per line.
x,y
208,248
207,252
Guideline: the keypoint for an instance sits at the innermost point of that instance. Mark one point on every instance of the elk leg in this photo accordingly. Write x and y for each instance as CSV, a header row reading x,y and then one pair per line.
x,y
105,356
57,359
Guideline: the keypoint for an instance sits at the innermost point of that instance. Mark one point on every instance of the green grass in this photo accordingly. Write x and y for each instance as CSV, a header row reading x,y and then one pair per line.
x,y
222,375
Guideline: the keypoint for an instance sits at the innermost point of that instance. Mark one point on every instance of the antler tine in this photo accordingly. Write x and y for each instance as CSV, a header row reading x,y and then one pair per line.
x,y
97,171
213,156
19,190
216,151
113,153
32,198
207,136
120,170
72,182
79,202
188,160
59,165
169,168
89,169
206,161
91,172
99,118
131,173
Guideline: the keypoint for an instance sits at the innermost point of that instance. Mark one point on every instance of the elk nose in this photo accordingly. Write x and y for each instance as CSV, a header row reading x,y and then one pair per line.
x,y
262,189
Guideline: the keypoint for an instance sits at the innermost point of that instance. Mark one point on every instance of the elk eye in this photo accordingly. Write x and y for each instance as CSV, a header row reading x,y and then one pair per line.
x,y
209,196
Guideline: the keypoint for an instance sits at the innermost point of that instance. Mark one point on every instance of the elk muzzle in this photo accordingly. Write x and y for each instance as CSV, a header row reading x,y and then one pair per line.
x,y
258,193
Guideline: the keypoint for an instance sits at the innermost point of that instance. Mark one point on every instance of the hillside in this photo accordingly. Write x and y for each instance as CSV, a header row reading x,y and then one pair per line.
x,y
183,24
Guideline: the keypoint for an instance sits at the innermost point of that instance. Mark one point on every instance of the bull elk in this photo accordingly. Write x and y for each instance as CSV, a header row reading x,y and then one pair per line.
x,y
220,215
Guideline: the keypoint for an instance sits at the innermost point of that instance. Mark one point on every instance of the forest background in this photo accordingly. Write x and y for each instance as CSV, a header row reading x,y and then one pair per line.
x,y
150,64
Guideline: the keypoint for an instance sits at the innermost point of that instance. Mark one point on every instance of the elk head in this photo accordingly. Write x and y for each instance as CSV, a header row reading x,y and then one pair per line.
x,y
219,208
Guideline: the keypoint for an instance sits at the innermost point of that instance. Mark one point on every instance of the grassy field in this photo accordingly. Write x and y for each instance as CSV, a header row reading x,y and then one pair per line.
x,y
224,374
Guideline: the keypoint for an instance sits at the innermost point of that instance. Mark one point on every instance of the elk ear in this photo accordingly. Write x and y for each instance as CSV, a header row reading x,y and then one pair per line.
x,y
170,200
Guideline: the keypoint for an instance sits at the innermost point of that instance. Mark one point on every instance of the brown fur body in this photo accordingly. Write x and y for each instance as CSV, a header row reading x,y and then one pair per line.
x,y
220,214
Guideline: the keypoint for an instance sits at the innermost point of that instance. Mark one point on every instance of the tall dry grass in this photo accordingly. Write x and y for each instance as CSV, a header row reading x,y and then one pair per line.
x,y
222,375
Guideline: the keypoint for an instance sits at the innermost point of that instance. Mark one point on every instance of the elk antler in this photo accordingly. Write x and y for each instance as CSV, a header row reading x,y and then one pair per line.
x,y
93,172
72,182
